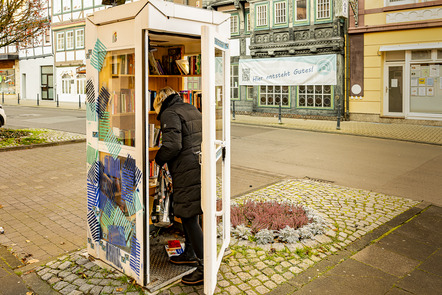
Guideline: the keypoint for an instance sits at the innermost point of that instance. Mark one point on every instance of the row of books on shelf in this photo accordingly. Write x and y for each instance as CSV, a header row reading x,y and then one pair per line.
x,y
193,97
123,64
175,63
122,102
154,169
154,135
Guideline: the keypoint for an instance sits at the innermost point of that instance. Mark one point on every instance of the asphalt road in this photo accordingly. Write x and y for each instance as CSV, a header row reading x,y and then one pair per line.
x,y
263,155
50,118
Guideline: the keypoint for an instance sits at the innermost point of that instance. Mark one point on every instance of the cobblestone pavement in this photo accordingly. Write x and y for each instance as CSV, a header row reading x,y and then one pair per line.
x,y
248,268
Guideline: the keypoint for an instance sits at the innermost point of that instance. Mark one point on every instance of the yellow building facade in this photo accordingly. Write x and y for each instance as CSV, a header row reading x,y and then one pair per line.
x,y
395,61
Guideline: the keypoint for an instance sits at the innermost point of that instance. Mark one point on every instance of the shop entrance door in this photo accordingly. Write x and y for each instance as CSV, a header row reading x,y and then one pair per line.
x,y
215,153
47,83
394,90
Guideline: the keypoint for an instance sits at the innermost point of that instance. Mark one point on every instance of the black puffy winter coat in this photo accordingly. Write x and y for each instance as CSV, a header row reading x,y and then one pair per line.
x,y
181,127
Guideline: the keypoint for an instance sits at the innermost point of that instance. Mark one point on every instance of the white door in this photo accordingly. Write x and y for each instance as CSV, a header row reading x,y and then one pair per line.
x,y
215,152
394,90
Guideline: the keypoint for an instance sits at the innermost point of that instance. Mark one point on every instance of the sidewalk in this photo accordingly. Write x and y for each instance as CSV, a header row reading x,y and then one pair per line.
x,y
10,100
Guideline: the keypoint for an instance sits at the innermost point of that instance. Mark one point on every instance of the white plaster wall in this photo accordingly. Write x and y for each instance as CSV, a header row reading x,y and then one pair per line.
x,y
32,69
73,97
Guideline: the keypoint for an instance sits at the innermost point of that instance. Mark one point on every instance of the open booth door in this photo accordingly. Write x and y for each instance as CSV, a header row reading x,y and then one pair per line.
x,y
215,153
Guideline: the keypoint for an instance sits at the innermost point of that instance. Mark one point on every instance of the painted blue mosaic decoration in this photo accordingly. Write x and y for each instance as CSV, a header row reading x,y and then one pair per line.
x,y
135,256
98,55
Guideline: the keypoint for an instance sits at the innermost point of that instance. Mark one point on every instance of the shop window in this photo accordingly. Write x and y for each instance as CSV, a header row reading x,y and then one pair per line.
x,y
280,13
234,24
81,84
69,40
274,95
7,81
60,41
79,39
322,9
300,10
420,54
234,82
261,15
315,96
66,82
425,88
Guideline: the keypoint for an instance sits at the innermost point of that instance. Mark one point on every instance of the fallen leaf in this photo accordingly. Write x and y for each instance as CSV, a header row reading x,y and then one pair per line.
x,y
62,243
1,206
33,261
29,293
28,241
119,289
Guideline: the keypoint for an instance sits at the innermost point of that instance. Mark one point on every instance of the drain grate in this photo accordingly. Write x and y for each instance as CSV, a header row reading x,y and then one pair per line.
x,y
162,272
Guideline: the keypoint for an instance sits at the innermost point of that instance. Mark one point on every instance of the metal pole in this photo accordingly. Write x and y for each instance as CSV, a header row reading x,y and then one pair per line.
x,y
338,125
79,101
38,99
233,109
18,98
279,115
3,97
57,101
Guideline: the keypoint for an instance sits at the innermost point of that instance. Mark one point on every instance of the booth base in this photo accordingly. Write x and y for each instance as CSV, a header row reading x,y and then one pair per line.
x,y
162,272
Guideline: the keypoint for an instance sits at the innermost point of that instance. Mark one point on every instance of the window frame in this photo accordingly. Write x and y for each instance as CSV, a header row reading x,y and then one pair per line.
x,y
255,90
76,38
267,16
307,19
330,12
282,24
267,92
67,42
248,23
232,77
234,16
58,34
332,98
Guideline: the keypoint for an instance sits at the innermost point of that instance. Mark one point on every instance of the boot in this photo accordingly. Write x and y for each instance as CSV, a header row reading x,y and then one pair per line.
x,y
196,277
187,257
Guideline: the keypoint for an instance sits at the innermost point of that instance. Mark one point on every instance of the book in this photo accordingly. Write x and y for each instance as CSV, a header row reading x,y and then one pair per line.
x,y
183,65
153,67
174,251
174,54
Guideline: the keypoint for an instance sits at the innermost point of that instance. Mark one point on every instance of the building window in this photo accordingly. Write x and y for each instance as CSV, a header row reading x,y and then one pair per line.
x,y
234,82
315,96
194,83
280,13
234,24
60,41
69,40
300,10
66,82
261,15
76,4
250,90
79,39
274,95
400,2
56,7
248,22
420,54
47,36
322,9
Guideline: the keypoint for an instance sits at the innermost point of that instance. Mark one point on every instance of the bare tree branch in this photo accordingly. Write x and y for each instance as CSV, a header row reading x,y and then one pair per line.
x,y
22,21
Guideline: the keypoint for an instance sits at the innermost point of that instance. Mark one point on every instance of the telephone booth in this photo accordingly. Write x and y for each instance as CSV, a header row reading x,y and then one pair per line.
x,y
134,50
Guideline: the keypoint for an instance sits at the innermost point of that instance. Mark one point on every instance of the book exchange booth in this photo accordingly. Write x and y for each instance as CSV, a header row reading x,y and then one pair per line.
x,y
134,50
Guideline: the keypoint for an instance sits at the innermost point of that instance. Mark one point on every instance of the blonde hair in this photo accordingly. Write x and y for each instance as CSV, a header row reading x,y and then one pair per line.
x,y
161,96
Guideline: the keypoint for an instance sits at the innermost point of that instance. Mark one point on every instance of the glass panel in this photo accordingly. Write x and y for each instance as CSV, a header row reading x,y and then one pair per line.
x,y
219,92
285,100
51,93
439,54
47,70
426,89
118,95
420,54
395,55
395,89
301,10
44,79
50,81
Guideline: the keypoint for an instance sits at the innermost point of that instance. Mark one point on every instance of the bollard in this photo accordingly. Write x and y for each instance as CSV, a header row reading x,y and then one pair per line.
x,y
233,109
338,123
57,100
79,101
279,116
18,98
38,99
3,97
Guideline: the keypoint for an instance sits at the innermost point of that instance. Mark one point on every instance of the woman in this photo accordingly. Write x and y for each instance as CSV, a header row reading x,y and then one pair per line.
x,y
181,128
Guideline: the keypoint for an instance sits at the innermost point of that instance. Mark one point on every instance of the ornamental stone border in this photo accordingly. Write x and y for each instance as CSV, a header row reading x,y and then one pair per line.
x,y
248,268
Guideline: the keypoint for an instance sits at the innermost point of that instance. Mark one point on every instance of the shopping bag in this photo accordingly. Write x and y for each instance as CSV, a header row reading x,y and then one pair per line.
x,y
162,213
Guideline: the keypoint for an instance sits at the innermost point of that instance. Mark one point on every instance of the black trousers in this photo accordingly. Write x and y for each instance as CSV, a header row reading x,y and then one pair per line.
x,y
193,235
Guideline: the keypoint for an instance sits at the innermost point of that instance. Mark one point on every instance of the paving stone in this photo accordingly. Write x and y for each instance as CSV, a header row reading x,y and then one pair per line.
x,y
43,271
70,278
233,290
60,285
64,265
108,289
79,282
75,292
64,274
95,281
243,287
222,284
68,289
271,285
85,288
262,290
53,280
47,276
105,282
278,279
96,290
